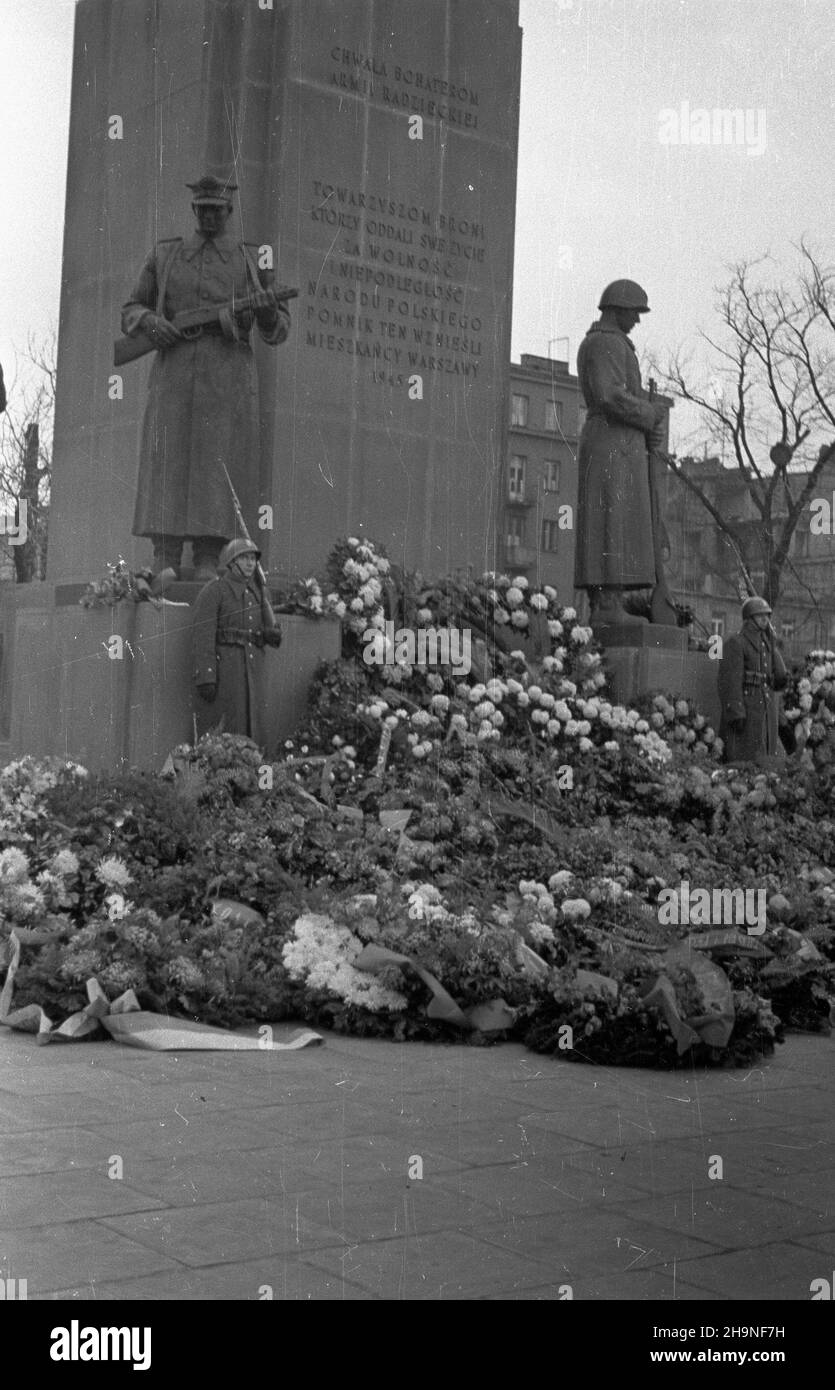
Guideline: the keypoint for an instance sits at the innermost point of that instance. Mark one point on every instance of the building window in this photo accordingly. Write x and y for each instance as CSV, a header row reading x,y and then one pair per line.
x,y
553,416
515,529
717,624
550,535
518,412
516,478
551,475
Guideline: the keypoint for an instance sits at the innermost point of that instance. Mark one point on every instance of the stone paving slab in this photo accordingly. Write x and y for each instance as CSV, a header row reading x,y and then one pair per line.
x,y
284,1279
780,1272
86,1252
297,1171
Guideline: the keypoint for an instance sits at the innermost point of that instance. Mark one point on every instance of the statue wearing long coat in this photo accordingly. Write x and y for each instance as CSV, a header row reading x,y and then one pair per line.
x,y
614,500
227,612
202,406
750,671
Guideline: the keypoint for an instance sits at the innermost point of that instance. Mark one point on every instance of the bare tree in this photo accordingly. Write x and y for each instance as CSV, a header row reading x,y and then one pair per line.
x,y
769,400
26,454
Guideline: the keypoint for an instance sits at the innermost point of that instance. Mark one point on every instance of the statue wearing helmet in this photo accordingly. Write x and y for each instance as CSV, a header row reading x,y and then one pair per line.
x,y
619,530
750,672
233,623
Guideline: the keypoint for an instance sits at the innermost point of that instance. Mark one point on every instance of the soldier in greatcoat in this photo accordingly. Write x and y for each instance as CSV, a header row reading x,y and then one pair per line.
x,y
616,509
233,623
750,672
202,408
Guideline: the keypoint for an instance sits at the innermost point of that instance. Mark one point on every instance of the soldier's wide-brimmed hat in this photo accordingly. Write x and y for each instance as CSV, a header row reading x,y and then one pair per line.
x,y
753,606
212,190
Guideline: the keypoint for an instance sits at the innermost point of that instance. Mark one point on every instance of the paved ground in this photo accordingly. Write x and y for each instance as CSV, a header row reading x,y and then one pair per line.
x,y
292,1171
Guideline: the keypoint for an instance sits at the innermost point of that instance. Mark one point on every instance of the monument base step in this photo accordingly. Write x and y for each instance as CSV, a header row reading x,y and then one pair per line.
x,y
636,671
72,699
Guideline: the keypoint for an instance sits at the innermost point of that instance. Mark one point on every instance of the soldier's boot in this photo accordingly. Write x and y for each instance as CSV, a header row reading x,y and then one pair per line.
x,y
606,608
206,553
168,554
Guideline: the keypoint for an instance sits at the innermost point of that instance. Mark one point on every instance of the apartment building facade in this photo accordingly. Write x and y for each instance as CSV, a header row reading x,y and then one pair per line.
x,y
540,484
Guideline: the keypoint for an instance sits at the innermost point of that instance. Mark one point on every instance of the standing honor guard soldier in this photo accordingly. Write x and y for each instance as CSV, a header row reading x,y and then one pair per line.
x,y
202,408
750,671
232,624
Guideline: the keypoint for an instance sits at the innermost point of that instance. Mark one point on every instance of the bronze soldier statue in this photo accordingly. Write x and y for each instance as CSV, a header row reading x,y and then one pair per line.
x,y
202,407
232,624
750,671
619,534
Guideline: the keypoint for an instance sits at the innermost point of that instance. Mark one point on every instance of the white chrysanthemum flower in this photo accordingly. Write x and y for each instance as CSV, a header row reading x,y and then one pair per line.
x,y
513,687
476,693
585,745
458,721
581,635
682,708
14,866
520,581
440,703
356,605
561,711
523,699
538,602
539,716
560,880
534,691
501,615
514,596
113,873
612,746
353,542
569,615
576,909
554,727
425,615
65,863
484,709
540,933
496,691
547,700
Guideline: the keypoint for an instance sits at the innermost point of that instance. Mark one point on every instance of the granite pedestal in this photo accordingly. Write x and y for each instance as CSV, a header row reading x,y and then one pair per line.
x,y
653,659
73,699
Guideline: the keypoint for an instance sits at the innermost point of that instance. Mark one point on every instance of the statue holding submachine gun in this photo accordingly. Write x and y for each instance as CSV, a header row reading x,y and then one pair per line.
x,y
195,302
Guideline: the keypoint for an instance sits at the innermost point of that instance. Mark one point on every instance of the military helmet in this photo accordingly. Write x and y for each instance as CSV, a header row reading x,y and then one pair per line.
x,y
624,294
233,551
752,607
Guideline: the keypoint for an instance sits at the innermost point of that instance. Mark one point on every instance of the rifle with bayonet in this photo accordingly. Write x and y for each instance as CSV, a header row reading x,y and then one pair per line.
x,y
191,322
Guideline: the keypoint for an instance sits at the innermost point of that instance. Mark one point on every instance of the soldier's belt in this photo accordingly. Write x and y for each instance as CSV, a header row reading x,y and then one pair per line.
x,y
238,637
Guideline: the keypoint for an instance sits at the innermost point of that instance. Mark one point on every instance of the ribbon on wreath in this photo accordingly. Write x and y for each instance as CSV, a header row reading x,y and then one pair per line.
x,y
125,1020
486,1018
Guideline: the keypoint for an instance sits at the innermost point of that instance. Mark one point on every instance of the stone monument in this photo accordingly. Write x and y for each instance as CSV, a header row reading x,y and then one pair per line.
x,y
373,145
621,539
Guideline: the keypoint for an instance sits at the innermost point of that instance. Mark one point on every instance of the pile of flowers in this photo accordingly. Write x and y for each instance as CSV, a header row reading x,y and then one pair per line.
x,y
440,851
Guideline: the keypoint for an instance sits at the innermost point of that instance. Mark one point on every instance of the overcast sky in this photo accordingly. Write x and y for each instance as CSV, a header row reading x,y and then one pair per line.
x,y
604,190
